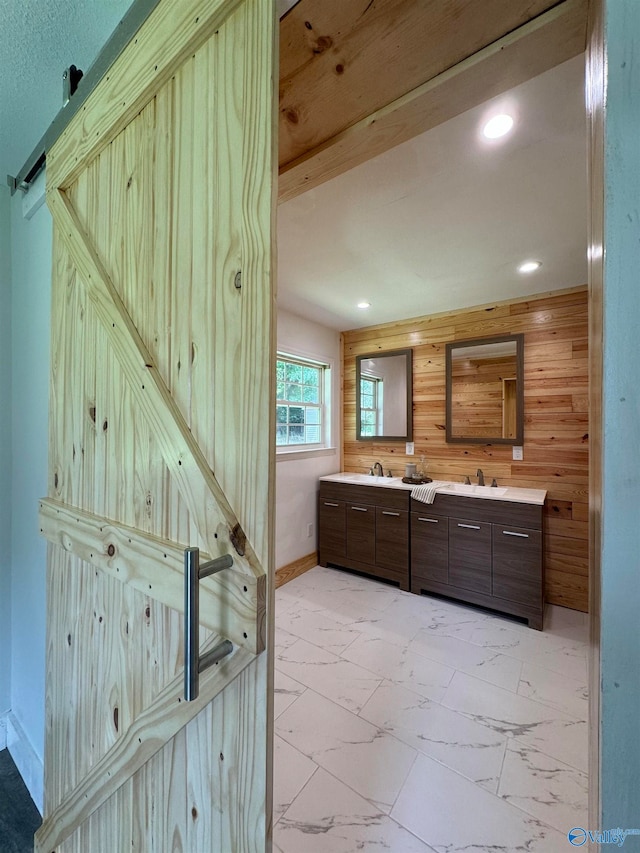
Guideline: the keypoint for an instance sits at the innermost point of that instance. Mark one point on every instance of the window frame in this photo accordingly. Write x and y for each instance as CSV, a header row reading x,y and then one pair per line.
x,y
325,408
378,390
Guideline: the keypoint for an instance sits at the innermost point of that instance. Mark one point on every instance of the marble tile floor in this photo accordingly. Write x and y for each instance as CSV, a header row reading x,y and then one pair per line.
x,y
408,723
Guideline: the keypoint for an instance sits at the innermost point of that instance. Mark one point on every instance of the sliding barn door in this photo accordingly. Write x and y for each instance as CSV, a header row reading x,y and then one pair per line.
x,y
161,191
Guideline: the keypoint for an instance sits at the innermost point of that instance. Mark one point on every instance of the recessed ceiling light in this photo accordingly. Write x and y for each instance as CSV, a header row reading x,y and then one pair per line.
x,y
498,126
364,305
529,266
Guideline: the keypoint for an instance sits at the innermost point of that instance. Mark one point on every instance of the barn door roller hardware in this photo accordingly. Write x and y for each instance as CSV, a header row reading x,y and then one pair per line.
x,y
71,76
193,663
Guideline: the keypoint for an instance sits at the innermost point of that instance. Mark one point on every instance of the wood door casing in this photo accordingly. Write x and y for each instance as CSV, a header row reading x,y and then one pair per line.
x,y
161,396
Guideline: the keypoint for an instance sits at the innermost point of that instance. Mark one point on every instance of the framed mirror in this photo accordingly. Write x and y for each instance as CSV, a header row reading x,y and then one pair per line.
x,y
485,391
384,396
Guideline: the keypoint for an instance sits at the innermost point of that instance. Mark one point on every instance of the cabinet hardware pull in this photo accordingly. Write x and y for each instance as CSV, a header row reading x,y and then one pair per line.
x,y
326,503
386,512
512,533
360,509
470,526
432,520
194,662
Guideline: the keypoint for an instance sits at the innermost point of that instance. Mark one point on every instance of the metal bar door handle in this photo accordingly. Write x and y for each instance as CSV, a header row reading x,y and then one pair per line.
x,y
328,503
360,509
470,526
513,533
432,520
193,663
386,512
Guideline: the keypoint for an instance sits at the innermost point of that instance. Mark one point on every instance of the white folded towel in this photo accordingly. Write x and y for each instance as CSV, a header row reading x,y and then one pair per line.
x,y
427,493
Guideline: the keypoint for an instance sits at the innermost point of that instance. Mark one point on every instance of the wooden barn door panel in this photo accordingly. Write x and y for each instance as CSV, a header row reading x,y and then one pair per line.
x,y
161,191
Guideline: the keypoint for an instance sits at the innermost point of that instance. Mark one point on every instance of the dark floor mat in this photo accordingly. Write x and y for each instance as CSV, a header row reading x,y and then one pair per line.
x,y
19,817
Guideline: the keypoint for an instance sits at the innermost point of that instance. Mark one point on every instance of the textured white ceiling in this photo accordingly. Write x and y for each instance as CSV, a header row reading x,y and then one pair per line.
x,y
40,38
442,221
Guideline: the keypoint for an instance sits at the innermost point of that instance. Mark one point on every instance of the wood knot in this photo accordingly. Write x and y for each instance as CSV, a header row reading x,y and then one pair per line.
x,y
339,68
105,426
147,612
194,813
238,539
55,480
111,550
308,25
92,413
68,639
115,717
292,116
322,44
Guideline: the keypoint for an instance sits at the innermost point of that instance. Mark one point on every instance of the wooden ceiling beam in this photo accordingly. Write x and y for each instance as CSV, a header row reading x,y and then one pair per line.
x,y
358,78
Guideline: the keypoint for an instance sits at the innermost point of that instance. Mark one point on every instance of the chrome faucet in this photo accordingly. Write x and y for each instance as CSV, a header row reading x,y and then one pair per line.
x,y
377,469
480,477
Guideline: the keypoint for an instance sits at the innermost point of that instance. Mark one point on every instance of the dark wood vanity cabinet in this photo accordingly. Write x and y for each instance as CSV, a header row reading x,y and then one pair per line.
x,y
361,532
486,552
482,551
517,564
470,554
429,547
332,527
365,528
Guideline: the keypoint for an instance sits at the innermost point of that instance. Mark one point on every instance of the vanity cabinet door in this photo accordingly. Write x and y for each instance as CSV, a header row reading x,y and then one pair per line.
x,y
332,530
470,555
361,532
517,564
430,546
392,539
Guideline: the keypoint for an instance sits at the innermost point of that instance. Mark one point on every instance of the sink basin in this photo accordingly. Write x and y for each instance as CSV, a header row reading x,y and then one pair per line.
x,y
369,480
485,491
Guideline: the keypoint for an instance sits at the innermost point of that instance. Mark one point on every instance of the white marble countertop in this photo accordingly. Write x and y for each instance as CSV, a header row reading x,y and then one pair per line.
x,y
501,493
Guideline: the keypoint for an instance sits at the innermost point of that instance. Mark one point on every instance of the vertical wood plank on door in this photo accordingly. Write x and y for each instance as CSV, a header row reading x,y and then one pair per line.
x,y
174,206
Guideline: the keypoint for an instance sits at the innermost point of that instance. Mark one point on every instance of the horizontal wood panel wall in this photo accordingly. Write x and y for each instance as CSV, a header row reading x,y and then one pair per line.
x,y
556,417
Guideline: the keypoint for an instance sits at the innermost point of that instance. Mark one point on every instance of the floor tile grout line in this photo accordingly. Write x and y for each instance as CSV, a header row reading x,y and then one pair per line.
x,y
284,813
548,755
437,761
571,643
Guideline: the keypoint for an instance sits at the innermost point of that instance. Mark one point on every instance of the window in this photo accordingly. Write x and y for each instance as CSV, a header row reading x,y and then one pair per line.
x,y
301,392
370,406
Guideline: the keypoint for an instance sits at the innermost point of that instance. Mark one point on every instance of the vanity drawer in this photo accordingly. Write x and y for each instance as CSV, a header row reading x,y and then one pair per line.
x,y
371,495
361,532
429,546
517,564
392,539
332,529
470,554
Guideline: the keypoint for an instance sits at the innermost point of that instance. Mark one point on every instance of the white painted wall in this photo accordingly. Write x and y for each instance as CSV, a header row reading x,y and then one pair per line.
x,y
5,461
393,371
30,320
297,478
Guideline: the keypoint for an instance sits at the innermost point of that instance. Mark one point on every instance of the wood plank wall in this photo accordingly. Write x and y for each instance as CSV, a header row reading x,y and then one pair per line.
x,y
556,430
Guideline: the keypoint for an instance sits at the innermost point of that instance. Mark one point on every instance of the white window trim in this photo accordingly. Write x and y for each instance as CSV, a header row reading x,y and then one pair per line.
x,y
307,451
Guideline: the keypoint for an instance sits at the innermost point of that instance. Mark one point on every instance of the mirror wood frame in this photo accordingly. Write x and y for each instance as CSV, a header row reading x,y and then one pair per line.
x,y
408,436
518,440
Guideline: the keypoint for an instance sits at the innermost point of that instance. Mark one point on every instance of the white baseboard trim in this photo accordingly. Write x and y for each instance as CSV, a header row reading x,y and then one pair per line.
x,y
26,759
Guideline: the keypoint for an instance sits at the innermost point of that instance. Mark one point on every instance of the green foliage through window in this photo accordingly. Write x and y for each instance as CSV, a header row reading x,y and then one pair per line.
x,y
299,408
